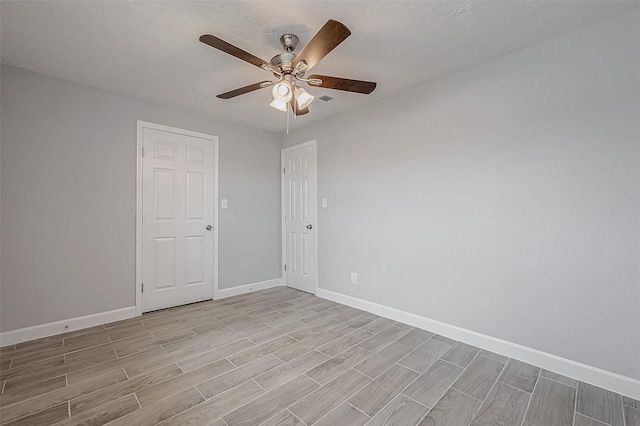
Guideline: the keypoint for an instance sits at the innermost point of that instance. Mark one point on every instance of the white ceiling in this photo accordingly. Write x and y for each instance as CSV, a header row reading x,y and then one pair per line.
x,y
150,49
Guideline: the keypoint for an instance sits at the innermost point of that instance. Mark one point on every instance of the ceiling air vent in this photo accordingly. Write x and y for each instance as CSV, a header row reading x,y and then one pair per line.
x,y
325,98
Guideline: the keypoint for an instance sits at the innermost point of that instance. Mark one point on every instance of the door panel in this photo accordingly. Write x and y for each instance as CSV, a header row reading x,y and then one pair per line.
x,y
164,188
195,195
195,260
165,259
300,217
177,192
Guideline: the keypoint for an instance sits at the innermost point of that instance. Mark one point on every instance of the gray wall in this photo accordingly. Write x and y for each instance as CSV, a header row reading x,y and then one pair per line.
x,y
68,198
503,199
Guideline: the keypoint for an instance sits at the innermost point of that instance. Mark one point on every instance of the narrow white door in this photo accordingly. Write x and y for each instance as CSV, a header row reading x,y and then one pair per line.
x,y
178,234
299,195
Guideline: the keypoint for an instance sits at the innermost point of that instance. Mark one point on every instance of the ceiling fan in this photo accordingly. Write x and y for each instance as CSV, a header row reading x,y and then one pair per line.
x,y
289,68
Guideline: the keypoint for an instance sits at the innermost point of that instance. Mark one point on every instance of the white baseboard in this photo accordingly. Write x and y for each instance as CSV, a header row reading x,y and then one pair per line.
x,y
50,329
248,288
585,373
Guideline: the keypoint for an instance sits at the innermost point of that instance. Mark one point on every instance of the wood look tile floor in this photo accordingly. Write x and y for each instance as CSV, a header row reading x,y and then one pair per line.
x,y
283,357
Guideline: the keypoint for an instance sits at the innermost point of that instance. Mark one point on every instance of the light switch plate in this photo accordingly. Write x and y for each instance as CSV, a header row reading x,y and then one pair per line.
x,y
223,203
324,203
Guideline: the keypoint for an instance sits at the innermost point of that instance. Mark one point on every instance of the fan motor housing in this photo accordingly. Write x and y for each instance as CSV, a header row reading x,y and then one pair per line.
x,y
284,61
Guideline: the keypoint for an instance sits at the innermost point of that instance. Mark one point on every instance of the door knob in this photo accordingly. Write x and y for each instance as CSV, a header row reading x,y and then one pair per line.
x,y
309,226
209,227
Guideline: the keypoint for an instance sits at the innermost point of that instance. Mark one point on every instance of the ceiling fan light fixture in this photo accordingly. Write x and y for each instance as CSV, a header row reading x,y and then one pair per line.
x,y
279,105
289,68
282,92
303,98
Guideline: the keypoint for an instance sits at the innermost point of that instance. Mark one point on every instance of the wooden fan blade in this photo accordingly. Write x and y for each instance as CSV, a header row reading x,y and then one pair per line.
x,y
245,89
345,84
330,35
295,108
232,50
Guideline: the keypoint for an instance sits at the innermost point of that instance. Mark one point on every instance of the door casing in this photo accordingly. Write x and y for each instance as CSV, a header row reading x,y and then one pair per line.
x,y
311,143
141,125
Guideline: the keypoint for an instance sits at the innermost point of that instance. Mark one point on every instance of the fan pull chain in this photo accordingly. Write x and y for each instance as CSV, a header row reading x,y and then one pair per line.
x,y
295,104
287,120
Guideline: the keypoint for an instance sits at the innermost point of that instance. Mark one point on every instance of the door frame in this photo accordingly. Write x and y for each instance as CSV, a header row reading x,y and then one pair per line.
x,y
141,125
312,143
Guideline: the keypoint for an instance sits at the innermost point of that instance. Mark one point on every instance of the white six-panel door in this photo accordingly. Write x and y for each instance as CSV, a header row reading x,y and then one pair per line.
x,y
299,205
177,222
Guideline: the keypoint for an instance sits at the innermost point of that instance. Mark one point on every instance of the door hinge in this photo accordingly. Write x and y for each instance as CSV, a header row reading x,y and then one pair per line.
x,y
142,288
285,268
284,171
143,151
